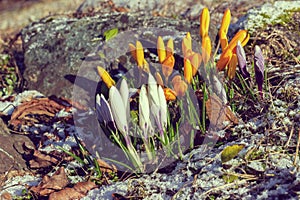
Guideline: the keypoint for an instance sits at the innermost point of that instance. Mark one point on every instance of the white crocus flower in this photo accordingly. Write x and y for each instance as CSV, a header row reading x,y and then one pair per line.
x,y
144,111
118,110
103,110
124,91
163,106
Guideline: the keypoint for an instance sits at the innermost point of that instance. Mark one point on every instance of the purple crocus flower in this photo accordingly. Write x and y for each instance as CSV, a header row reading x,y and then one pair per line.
x,y
240,52
259,68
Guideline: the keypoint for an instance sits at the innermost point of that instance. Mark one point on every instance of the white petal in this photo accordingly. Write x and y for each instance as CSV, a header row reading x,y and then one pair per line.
x,y
163,106
152,91
144,111
118,109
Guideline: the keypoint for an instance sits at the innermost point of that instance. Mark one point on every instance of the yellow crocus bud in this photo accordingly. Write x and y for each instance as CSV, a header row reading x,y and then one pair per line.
x,y
132,50
175,79
242,36
195,61
188,73
204,22
106,78
232,67
167,66
170,94
170,47
224,29
161,51
224,59
139,54
206,49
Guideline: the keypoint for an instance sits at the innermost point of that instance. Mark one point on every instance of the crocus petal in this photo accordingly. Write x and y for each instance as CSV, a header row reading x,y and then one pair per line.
x,y
170,47
144,112
163,106
132,50
159,79
167,66
106,78
259,68
180,88
224,29
139,54
232,67
188,73
170,94
242,36
196,61
241,56
152,91
206,48
124,91
176,79
204,22
224,59
161,51
118,110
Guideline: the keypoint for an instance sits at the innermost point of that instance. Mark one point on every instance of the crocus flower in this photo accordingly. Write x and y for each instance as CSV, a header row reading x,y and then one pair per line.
x,y
166,57
224,29
118,110
204,22
206,48
188,73
241,56
144,112
137,52
106,78
180,88
227,54
259,68
187,45
170,94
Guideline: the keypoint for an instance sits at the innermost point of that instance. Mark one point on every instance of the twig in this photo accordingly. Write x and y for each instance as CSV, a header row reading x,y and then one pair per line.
x,y
297,147
291,134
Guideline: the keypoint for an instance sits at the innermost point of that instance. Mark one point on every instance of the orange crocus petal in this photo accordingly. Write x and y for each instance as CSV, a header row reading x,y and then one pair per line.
x,y
206,49
195,61
106,78
241,36
139,54
170,94
167,66
176,79
188,74
223,41
224,59
180,88
225,22
161,51
159,79
132,50
185,46
204,22
170,47
232,66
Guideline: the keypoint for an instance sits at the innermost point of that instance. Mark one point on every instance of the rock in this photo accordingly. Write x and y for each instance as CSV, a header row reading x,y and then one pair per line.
x,y
11,150
55,47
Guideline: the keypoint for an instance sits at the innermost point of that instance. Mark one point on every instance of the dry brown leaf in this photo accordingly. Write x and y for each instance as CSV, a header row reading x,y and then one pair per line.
x,y
78,191
48,185
33,111
105,167
219,113
6,196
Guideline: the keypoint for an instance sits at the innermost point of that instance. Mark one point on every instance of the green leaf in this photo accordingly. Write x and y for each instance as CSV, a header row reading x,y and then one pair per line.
x,y
228,178
230,152
109,34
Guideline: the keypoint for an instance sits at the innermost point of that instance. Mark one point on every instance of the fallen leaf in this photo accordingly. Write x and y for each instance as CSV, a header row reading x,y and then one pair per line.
x,y
230,152
105,167
219,113
78,191
48,185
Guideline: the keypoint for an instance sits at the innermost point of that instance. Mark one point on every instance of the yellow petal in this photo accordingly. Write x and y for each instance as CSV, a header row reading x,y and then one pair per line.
x,y
161,51
232,67
224,29
159,79
170,94
106,78
188,74
206,49
196,61
241,36
224,59
204,22
170,47
176,79
167,66
139,54
132,50
146,66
